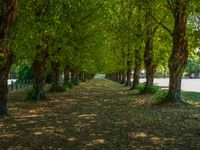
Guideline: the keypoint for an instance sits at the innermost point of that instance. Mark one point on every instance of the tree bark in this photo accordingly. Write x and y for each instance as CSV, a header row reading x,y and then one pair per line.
x,y
40,67
165,72
55,77
81,76
66,75
73,78
148,53
4,71
76,76
150,72
123,78
120,77
7,22
179,56
128,74
138,54
136,75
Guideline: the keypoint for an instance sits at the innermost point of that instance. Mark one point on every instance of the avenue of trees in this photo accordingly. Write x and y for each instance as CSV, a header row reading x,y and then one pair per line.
x,y
83,37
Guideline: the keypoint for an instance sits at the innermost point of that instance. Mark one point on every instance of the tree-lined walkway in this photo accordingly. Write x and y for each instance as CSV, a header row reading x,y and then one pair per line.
x,y
99,114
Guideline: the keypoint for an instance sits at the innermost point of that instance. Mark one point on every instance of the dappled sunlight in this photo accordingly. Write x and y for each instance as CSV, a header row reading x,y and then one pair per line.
x,y
87,116
81,125
31,116
99,141
155,140
121,123
194,103
137,134
139,102
72,139
1,125
8,136
37,133
99,114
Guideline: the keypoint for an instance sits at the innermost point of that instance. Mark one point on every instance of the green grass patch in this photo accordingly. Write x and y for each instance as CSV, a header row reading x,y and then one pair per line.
x,y
160,97
149,89
191,95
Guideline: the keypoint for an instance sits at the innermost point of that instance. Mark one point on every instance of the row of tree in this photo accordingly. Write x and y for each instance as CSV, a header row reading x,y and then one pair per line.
x,y
153,34
50,36
80,38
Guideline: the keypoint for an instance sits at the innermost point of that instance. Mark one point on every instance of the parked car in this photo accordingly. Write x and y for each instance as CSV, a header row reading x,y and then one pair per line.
x,y
195,75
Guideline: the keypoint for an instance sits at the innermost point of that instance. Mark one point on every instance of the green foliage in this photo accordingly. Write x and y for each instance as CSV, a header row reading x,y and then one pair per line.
x,y
31,94
77,82
195,96
63,88
160,97
84,80
67,86
49,78
140,88
193,66
24,72
150,89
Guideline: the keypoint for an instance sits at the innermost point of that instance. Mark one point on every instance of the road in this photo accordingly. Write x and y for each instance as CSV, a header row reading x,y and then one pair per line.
x,y
9,81
191,85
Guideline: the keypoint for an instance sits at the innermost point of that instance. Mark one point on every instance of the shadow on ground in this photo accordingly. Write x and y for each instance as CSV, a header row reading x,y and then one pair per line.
x,y
99,114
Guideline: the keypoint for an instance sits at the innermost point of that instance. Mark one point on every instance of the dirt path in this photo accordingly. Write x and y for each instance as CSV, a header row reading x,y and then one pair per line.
x,y
99,114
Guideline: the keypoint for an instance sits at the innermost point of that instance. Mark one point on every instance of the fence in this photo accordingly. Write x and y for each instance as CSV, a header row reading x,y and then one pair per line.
x,y
19,85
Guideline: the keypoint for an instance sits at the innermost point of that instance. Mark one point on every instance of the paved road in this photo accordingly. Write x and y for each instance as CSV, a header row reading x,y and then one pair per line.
x,y
192,85
9,81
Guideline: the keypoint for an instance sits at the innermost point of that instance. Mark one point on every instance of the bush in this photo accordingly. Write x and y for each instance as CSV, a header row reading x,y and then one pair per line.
x,y
63,88
140,88
150,89
84,80
160,97
77,82
31,94
24,72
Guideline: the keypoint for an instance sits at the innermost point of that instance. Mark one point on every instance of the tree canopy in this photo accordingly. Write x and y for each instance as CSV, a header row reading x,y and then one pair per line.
x,y
85,37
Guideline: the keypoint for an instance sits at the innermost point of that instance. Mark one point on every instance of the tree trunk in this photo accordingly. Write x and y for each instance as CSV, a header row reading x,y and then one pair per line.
x,y
4,71
73,78
165,72
136,75
120,77
138,54
148,53
66,75
81,77
128,81
123,78
150,72
76,76
55,66
40,67
7,22
179,56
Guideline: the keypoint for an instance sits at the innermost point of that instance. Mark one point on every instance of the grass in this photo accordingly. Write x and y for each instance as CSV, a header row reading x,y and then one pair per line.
x,y
100,114
192,97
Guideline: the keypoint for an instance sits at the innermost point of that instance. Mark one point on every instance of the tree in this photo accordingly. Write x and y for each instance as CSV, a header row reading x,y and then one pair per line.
x,y
138,45
179,55
8,14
